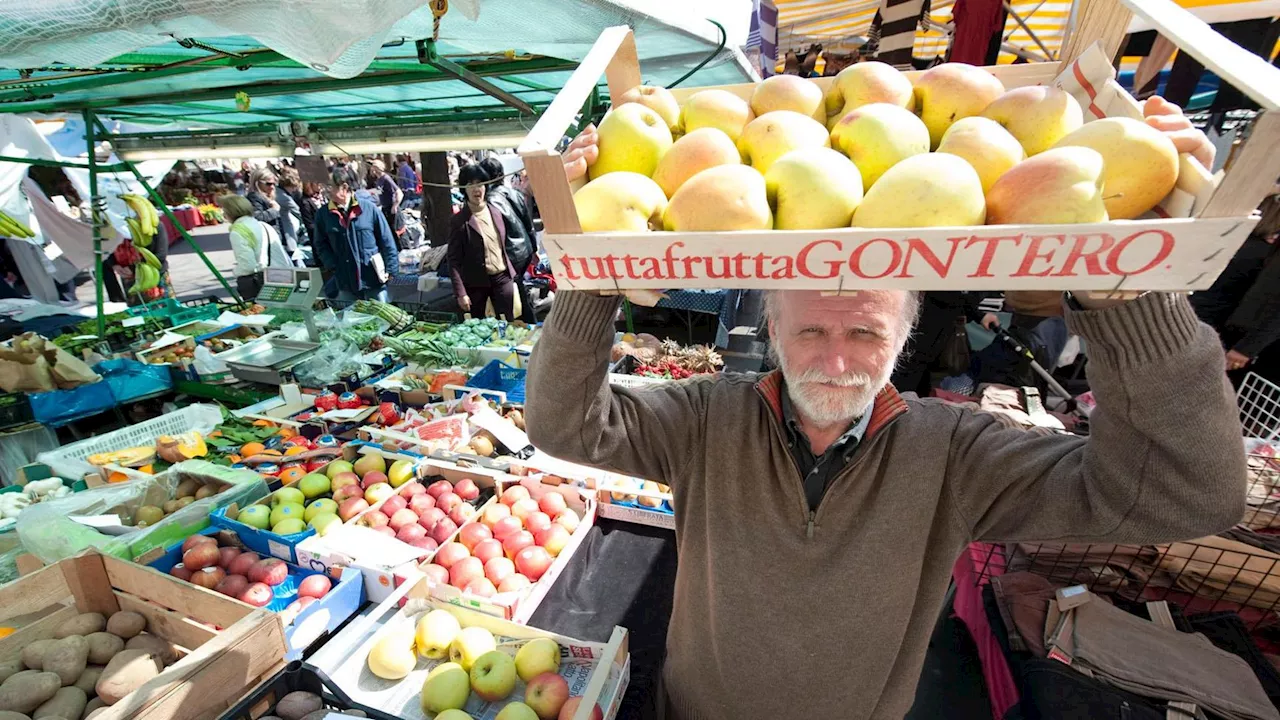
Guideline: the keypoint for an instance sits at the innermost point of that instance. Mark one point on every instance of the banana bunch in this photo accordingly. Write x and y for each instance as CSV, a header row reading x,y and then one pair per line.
x,y
10,227
142,226
145,277
148,258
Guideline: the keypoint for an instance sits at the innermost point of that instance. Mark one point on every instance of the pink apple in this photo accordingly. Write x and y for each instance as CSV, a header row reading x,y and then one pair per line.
x,y
514,494
352,507
553,503
436,573
569,520
464,571
461,514
448,501
472,534
554,539
467,489
533,561
424,543
524,508
506,526
395,504
429,517
450,553
487,549
373,477
439,487
537,522
385,530
443,530
516,541
481,587
570,708
495,512
375,519
412,490
344,479
418,503
498,569
346,492
409,533
403,517
514,582
546,694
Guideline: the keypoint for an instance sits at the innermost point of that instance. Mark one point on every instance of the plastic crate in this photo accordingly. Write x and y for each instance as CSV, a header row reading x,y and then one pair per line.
x,y
15,409
178,313
296,676
501,377
68,461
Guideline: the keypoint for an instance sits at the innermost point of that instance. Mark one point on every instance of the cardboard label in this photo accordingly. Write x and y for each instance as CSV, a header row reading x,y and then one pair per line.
x,y
507,433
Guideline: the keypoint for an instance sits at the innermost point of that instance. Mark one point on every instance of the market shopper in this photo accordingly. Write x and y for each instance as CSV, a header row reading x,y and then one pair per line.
x,y
262,195
354,243
252,244
478,263
389,196
819,514
518,219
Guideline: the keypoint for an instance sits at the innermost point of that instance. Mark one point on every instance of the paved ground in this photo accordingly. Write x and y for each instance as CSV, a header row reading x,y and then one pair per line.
x,y
191,278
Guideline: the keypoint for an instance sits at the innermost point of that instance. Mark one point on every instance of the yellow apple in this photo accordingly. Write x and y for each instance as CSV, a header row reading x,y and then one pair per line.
x,y
657,99
632,138
620,201
1060,185
392,657
725,197
927,190
1139,163
865,83
434,633
813,189
788,92
953,91
1037,115
989,148
775,134
446,688
878,136
719,109
701,149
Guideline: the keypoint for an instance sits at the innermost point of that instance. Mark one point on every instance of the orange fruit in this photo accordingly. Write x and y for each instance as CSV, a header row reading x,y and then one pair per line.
x,y
233,458
292,474
251,449
216,433
277,453
263,423
294,450
286,432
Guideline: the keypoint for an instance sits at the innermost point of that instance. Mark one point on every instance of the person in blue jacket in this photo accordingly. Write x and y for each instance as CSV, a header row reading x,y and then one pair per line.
x,y
355,244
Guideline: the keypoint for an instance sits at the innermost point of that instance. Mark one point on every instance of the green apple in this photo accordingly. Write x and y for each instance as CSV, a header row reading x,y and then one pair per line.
x,y
400,472
470,644
287,511
313,485
289,526
631,137
369,462
338,466
324,522
320,507
536,657
813,189
453,715
258,516
288,496
517,711
493,676
447,687
435,632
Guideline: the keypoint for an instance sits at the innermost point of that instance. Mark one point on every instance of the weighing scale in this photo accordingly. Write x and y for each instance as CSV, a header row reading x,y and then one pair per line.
x,y
293,289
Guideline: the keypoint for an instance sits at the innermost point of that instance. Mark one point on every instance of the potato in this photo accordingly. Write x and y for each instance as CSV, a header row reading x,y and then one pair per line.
x,y
68,704
186,487
126,623
297,704
103,646
158,646
33,654
88,680
6,715
82,624
24,693
127,672
9,669
68,658
94,706
316,714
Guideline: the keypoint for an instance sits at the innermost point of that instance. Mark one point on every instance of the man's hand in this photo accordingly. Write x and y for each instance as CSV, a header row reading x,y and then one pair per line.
x,y
1168,119
990,320
1236,360
464,302
581,153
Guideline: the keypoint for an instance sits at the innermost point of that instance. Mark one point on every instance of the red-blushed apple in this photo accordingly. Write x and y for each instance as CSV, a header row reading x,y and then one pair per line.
x,y
537,522
443,530
507,526
201,555
461,514
413,531
385,530
316,586
498,569
569,520
532,562
424,542
524,508
493,513
209,577
553,539
481,587
377,492
570,708
226,555
553,503
448,501
488,549
257,594
514,494
181,572
515,542
352,507
374,519
436,573
373,477
467,489
429,517
242,563
403,517
513,582
344,479
419,503
195,540
393,505
450,553
412,490
232,585
439,487
472,534
546,694
464,571
347,492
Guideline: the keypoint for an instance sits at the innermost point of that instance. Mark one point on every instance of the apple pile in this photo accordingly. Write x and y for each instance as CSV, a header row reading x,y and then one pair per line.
x,y
953,148
509,546
243,575
423,516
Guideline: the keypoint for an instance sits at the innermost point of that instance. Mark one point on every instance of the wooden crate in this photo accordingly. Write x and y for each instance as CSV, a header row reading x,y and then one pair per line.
x,y
1176,254
218,665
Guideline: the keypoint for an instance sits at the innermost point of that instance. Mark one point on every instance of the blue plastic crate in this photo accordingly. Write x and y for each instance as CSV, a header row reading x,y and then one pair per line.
x,y
500,376
263,542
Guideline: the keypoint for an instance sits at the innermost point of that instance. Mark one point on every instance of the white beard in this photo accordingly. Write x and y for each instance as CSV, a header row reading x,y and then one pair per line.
x,y
827,406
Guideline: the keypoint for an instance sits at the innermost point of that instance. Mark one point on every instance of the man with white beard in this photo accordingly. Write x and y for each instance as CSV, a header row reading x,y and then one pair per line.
x,y
818,513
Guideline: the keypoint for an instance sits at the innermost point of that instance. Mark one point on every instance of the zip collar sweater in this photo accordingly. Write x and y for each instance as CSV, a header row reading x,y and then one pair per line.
x,y
778,614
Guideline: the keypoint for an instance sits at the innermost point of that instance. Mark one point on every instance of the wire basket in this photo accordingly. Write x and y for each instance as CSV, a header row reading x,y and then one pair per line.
x,y
68,461
1259,401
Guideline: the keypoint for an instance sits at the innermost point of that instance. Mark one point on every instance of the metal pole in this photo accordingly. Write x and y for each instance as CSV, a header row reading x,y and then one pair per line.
x,y
98,214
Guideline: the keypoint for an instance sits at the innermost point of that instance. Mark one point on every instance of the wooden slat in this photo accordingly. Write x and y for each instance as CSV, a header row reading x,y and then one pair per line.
x,y
33,592
623,72
1252,174
555,198
1102,20
613,650
11,646
1154,61
559,115
197,602
87,578
172,626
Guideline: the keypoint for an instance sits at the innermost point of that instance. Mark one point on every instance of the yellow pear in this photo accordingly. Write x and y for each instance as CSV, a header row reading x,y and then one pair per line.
x,y
691,154
878,136
725,197
989,148
632,138
1060,185
719,109
813,189
775,134
788,92
950,92
620,201
1139,163
1037,115
927,190
657,99
865,83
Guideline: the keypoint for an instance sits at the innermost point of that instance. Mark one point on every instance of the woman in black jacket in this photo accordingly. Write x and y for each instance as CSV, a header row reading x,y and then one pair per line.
x,y
262,194
478,262
520,232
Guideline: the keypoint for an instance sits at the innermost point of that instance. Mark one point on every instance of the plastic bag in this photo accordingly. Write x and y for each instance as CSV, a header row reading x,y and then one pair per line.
x,y
331,362
206,364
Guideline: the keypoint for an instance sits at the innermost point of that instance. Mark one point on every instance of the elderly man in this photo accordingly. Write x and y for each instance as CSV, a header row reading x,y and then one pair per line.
x,y
819,513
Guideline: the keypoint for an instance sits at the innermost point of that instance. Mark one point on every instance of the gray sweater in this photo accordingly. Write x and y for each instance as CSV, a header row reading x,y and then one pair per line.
x,y
780,614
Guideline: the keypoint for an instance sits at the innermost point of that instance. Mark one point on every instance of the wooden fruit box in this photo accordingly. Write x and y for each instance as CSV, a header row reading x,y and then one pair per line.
x,y
1174,253
218,665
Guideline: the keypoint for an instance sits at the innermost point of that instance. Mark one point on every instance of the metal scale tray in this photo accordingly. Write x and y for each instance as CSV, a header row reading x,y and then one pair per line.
x,y
267,360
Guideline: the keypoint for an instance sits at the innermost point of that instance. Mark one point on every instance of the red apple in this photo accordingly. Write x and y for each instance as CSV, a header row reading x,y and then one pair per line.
x,y
517,541
436,574
464,571
498,569
524,508
385,530
467,489
514,494
419,503
352,507
450,553
375,519
181,572
570,708
537,522
546,694
316,586
371,478
532,562
232,585
461,514
209,577
472,534
514,582
481,587
553,539
226,555
439,487
201,555
495,512
507,526
257,594
395,504
413,531
242,563
412,490
194,540
316,465
488,549
403,517
553,503
424,543
347,492
448,501
429,517
443,530
569,520
270,571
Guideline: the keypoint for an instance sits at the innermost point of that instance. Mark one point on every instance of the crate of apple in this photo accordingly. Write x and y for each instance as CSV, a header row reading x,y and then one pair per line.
x,y
262,582
424,514
509,546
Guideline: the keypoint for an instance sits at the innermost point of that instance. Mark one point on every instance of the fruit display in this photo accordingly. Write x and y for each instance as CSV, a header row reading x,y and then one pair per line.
x,y
624,490
423,513
666,359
